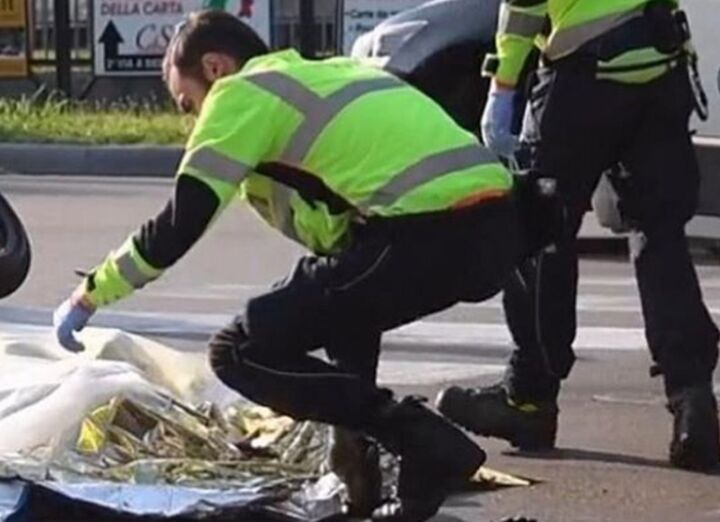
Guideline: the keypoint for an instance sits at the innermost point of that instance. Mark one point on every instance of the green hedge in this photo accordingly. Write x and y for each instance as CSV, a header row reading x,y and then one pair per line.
x,y
63,121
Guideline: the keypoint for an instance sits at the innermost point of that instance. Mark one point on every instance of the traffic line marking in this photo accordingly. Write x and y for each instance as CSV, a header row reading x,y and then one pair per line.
x,y
413,373
483,334
424,333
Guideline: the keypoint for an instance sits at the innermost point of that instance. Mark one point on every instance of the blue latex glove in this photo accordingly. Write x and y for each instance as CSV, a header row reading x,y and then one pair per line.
x,y
496,123
71,316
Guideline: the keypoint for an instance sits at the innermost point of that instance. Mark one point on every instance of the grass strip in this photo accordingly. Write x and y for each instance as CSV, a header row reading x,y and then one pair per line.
x,y
56,120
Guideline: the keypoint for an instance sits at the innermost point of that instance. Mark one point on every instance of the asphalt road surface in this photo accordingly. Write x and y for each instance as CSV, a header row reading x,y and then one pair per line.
x,y
611,465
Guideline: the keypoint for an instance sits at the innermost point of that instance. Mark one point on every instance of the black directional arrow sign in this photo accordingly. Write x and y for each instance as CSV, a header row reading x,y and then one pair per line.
x,y
125,63
111,40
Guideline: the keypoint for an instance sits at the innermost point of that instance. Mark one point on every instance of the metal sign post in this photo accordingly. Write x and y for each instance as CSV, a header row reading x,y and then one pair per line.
x,y
63,46
308,40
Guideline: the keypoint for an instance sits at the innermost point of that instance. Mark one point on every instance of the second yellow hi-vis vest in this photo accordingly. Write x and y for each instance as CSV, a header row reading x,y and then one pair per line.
x,y
572,23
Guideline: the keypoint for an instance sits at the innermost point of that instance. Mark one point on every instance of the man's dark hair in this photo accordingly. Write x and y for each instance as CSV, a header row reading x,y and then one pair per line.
x,y
212,31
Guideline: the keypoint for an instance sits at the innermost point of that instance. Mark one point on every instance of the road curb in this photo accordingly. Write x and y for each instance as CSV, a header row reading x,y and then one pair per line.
x,y
95,160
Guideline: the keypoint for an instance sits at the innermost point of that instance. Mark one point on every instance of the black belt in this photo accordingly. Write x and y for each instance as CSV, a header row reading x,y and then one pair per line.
x,y
659,27
449,217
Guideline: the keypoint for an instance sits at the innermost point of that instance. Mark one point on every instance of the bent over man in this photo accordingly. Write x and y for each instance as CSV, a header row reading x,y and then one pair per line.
x,y
405,212
613,87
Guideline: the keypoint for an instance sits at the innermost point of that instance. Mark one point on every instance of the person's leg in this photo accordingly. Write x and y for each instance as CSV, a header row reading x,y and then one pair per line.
x,y
573,129
539,303
354,457
386,280
681,335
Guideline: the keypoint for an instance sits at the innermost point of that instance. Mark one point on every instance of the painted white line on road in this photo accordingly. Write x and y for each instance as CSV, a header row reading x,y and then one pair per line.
x,y
596,303
589,281
588,302
432,333
421,332
398,373
437,333
226,292
586,285
199,295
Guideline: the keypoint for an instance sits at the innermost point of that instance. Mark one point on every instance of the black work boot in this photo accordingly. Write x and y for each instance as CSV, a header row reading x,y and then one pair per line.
x,y
356,460
491,412
435,458
696,443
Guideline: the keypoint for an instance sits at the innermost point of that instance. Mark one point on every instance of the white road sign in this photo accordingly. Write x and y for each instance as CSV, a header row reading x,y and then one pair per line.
x,y
361,16
131,35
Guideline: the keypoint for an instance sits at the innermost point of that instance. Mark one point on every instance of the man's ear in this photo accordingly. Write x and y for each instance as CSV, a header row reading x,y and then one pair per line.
x,y
217,65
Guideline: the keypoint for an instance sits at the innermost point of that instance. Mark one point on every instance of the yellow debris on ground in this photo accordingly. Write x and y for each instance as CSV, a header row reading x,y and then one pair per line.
x,y
126,440
487,478
173,443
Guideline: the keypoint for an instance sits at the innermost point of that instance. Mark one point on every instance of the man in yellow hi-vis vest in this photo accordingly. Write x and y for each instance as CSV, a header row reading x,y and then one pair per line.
x,y
405,212
613,87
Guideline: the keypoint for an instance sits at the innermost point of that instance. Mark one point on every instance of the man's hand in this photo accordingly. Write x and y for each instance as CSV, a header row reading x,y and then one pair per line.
x,y
71,316
497,119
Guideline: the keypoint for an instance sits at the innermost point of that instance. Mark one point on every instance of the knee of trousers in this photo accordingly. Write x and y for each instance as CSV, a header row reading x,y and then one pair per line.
x,y
225,349
245,364
229,354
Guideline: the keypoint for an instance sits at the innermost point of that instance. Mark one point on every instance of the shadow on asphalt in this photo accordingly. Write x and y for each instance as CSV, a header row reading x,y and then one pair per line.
x,y
592,456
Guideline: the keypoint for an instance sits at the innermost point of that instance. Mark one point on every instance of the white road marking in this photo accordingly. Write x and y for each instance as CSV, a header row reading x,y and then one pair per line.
x,y
596,303
420,333
482,334
629,282
398,373
225,292
587,301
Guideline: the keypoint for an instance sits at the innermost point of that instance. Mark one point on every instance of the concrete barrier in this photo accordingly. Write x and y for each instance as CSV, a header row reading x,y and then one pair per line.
x,y
83,160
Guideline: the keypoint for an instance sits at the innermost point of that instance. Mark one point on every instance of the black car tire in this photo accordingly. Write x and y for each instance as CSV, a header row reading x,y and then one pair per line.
x,y
14,250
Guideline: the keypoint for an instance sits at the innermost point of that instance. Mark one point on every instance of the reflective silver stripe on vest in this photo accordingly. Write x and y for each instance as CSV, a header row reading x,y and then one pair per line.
x,y
218,166
519,23
428,169
287,88
566,41
317,118
131,273
318,111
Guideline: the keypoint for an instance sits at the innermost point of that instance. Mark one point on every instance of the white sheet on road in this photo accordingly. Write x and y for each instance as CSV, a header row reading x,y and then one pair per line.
x,y
46,391
46,394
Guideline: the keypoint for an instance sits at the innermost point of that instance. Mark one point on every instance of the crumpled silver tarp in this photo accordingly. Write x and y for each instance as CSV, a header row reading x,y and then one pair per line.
x,y
144,429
